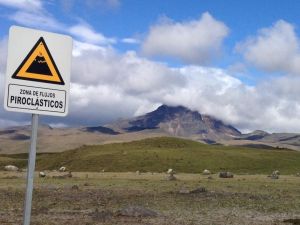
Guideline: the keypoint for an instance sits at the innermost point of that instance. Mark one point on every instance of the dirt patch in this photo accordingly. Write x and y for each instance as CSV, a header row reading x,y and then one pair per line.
x,y
292,221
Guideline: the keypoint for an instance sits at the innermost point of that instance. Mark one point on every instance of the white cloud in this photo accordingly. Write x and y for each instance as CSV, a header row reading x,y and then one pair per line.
x,y
106,86
80,47
274,49
3,54
27,5
37,20
196,41
130,41
86,33
42,19
127,85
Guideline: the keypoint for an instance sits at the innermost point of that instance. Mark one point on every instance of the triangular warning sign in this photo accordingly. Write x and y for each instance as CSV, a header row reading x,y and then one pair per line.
x,y
39,66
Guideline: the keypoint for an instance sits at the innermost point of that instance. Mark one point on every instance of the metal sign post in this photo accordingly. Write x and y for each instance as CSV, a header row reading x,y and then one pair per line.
x,y
30,170
37,82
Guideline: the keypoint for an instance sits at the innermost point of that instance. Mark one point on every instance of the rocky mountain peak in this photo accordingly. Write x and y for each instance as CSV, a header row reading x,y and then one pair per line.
x,y
179,121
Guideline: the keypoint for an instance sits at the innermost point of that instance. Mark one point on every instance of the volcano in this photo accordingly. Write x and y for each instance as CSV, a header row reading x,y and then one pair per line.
x,y
39,66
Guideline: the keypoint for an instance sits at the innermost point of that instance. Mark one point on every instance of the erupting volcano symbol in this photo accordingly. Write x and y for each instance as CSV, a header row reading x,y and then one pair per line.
x,y
39,66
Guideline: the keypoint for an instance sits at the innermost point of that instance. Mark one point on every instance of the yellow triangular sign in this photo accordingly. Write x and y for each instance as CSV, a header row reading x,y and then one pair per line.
x,y
39,66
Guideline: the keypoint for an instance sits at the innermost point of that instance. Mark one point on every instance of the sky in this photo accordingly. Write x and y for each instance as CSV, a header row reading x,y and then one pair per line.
x,y
238,61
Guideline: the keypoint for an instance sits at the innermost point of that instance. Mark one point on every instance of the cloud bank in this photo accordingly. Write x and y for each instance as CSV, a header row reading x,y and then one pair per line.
x,y
273,49
195,42
107,84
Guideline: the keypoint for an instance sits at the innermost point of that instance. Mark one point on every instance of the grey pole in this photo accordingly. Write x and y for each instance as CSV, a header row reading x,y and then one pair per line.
x,y
30,169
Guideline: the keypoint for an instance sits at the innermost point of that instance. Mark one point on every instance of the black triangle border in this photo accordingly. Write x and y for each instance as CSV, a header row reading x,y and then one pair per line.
x,y
41,39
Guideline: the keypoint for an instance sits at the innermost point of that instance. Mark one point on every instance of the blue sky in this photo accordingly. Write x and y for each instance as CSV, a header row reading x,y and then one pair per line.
x,y
236,60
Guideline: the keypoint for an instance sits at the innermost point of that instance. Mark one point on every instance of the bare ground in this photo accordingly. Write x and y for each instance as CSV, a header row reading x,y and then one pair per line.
x,y
96,198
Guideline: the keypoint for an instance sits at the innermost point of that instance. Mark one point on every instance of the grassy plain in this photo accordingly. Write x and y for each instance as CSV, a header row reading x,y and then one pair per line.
x,y
159,154
249,198
245,199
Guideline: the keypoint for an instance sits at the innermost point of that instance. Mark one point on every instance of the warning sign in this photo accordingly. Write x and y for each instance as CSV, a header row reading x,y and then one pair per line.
x,y
39,65
38,72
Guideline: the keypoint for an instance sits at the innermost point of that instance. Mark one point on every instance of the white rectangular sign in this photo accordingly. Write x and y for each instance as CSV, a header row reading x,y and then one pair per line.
x,y
38,72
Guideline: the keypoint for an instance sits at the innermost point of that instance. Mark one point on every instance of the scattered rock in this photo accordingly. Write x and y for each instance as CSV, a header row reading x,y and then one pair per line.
x,y
62,169
75,187
138,172
103,171
170,171
274,175
226,175
206,172
136,211
11,168
42,174
171,177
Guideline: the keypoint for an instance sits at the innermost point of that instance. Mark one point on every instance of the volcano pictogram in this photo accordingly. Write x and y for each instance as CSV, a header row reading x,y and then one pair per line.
x,y
39,66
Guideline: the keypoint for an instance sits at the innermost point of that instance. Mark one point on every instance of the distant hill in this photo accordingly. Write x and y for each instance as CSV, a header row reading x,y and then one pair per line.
x,y
172,121
179,121
160,154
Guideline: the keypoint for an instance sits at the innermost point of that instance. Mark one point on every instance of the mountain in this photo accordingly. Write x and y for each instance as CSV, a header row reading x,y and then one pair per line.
x,y
178,121
172,121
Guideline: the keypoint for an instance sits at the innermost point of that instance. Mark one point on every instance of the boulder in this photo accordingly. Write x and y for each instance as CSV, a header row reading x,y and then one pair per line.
x,y
206,172
11,168
226,175
170,171
62,169
42,174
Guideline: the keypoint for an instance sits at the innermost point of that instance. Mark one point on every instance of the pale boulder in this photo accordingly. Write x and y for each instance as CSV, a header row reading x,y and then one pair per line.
x,y
11,168
42,174
206,172
62,169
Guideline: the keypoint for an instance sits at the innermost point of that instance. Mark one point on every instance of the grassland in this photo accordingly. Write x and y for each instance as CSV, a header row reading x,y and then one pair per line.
x,y
159,154
250,198
243,200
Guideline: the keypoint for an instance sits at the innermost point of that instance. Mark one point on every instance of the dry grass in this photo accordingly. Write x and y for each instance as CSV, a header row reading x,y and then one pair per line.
x,y
245,199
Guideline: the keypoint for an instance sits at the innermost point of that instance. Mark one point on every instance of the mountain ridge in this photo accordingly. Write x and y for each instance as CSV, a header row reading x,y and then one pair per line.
x,y
172,121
